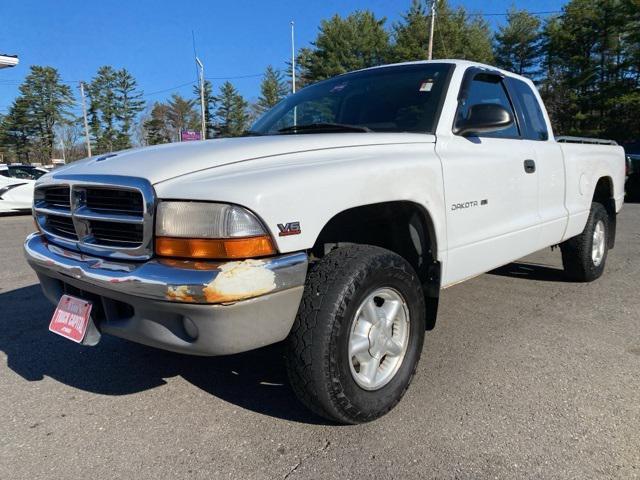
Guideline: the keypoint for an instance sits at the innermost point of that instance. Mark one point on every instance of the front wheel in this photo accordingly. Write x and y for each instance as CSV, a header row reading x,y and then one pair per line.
x,y
357,339
584,256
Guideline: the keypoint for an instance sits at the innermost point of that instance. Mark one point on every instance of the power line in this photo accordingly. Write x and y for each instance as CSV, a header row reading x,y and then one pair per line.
x,y
236,77
498,14
164,90
168,89
228,77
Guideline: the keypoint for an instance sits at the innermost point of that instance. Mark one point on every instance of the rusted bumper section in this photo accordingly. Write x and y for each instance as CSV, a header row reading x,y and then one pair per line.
x,y
171,280
202,308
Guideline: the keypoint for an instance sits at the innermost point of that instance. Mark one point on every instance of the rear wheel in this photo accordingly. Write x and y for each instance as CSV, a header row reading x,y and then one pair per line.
x,y
356,341
584,256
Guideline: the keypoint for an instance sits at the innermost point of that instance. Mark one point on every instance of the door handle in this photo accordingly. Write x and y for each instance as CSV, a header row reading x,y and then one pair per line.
x,y
529,166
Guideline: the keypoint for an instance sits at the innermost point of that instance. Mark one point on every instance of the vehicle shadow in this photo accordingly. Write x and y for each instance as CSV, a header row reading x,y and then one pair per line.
x,y
15,213
254,380
531,271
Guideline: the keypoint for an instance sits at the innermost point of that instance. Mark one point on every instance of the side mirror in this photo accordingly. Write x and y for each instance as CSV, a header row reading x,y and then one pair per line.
x,y
482,118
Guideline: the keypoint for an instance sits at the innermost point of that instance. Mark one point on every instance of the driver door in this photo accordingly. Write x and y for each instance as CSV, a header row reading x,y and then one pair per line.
x,y
491,196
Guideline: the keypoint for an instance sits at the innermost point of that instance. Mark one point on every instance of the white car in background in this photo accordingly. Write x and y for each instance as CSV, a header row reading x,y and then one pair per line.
x,y
16,187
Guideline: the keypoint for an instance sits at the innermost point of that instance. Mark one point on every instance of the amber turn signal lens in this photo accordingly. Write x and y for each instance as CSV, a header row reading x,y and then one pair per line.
x,y
218,249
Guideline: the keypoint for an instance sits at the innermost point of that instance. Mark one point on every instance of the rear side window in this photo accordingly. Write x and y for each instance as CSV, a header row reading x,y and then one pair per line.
x,y
534,126
486,88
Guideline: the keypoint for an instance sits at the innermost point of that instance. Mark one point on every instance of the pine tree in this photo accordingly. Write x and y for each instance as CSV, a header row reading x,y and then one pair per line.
x,y
459,36
232,115
517,47
129,104
412,34
591,67
156,128
17,131
44,102
272,89
456,35
114,103
181,115
345,44
103,110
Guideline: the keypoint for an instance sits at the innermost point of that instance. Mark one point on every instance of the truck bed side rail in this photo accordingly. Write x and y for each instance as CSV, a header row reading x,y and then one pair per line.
x,y
592,141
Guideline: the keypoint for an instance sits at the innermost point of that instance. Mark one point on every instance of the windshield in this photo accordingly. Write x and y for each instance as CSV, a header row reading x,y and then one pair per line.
x,y
405,98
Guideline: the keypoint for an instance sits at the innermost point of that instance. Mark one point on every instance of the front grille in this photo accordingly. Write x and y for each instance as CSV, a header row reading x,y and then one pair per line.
x,y
98,217
116,233
57,197
118,201
61,226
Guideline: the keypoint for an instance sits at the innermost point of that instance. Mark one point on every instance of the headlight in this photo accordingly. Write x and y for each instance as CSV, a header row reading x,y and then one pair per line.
x,y
209,230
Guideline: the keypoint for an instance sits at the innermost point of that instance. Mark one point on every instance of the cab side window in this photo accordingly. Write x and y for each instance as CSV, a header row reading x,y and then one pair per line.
x,y
534,125
487,88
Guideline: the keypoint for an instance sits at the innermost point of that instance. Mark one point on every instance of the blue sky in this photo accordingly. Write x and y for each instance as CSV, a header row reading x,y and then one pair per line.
x,y
152,39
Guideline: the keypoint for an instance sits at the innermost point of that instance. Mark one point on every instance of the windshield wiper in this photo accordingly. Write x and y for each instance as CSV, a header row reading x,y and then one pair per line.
x,y
251,133
324,127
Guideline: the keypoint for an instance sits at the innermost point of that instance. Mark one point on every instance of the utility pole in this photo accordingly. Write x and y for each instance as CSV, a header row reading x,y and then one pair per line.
x,y
203,126
293,59
433,20
86,124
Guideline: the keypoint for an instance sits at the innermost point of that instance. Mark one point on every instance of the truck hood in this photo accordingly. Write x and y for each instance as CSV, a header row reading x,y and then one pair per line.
x,y
162,162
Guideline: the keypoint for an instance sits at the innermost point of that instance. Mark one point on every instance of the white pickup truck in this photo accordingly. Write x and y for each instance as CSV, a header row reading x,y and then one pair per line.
x,y
333,225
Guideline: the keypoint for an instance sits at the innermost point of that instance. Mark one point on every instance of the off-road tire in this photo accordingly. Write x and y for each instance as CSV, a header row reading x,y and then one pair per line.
x,y
317,347
576,252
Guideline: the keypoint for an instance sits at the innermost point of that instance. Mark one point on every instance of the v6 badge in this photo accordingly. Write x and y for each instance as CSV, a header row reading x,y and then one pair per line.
x,y
291,228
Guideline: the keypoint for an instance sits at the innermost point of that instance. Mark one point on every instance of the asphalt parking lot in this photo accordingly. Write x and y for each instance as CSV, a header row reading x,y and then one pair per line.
x,y
525,376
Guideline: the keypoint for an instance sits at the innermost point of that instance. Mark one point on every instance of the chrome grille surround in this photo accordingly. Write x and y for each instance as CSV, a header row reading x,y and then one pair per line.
x,y
141,248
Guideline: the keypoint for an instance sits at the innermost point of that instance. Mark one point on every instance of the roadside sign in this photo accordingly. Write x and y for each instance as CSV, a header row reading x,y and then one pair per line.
x,y
189,135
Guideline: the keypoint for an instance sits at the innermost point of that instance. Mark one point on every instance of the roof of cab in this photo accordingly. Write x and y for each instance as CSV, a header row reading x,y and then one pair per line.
x,y
457,62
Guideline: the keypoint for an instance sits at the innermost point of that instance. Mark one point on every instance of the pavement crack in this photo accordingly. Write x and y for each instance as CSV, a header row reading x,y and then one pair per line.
x,y
326,445
290,472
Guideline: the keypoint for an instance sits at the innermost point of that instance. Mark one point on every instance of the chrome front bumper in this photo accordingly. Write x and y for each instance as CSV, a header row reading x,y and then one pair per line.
x,y
203,308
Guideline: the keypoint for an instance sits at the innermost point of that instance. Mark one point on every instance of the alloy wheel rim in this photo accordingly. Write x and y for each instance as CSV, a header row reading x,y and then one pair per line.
x,y
598,244
379,338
